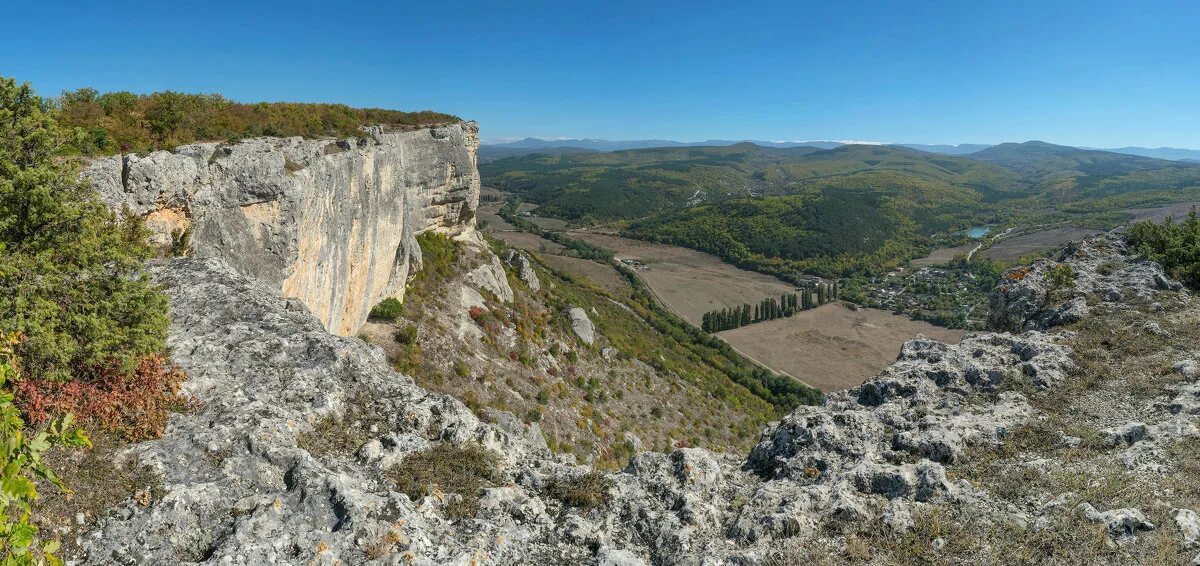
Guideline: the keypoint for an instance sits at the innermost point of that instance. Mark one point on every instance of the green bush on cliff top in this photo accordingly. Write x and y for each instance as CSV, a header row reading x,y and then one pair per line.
x,y
1174,245
125,122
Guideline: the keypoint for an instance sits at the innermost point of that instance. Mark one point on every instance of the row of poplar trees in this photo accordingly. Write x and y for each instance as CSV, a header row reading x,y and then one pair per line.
x,y
769,309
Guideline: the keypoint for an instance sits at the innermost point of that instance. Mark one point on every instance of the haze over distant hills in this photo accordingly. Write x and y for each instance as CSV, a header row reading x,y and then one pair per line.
x,y
489,151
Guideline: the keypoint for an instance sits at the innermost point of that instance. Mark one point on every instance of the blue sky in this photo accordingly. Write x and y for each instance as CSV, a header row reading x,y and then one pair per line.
x,y
1081,73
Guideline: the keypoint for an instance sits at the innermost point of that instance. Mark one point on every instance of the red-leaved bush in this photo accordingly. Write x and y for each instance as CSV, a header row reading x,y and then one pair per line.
x,y
134,406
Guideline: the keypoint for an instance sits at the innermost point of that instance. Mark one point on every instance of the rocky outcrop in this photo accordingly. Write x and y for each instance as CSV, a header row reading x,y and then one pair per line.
x,y
1054,292
520,262
490,277
241,488
330,222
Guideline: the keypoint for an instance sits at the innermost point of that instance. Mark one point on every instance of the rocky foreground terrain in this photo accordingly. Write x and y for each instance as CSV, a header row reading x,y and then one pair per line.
x,y
1068,436
1074,441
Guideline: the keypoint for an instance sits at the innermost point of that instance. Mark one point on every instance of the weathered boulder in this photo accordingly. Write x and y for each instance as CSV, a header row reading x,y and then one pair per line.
x,y
608,556
581,324
1189,369
330,222
1121,523
489,276
1188,523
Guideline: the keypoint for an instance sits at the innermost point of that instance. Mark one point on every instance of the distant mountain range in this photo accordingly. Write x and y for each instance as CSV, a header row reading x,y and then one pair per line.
x,y
491,151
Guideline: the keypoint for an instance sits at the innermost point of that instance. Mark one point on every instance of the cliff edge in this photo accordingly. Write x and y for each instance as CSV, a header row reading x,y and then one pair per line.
x,y
331,222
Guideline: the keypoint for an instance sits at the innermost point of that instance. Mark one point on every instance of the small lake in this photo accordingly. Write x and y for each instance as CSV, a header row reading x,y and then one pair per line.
x,y
978,232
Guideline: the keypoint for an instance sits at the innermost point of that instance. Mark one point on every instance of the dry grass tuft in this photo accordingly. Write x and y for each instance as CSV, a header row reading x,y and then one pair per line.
x,y
448,469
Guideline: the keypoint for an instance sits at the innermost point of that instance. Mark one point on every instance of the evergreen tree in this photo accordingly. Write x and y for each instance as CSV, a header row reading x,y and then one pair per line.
x,y
71,276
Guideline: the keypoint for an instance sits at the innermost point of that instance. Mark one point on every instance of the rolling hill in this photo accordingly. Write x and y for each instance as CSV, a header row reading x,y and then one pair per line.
x,y
849,209
1070,174
1043,161
634,183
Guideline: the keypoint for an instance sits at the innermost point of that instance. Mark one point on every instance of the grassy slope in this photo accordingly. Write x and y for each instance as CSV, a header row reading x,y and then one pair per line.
x,y
658,381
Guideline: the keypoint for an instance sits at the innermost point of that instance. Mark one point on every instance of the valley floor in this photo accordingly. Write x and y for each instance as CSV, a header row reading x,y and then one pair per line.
x,y
834,346
831,348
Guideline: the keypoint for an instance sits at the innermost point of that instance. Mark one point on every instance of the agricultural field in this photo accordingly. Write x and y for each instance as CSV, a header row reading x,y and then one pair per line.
x,y
1017,247
942,256
834,346
1177,210
831,347
549,223
600,274
689,282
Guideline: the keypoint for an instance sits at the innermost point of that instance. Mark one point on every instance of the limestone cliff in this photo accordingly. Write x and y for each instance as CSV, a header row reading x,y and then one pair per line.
x,y
330,222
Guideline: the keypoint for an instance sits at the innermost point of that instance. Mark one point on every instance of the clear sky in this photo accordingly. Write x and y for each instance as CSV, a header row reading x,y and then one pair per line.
x,y
1081,73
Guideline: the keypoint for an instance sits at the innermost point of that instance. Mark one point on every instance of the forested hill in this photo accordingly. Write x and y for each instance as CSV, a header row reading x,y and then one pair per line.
x,y
1043,161
850,209
633,183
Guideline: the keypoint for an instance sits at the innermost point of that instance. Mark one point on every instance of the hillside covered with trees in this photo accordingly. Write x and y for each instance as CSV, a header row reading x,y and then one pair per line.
x,y
633,183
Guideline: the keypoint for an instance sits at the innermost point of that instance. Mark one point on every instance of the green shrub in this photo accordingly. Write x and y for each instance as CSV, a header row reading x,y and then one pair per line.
x,y
71,276
406,335
388,310
126,122
462,369
438,253
1061,276
445,469
1175,246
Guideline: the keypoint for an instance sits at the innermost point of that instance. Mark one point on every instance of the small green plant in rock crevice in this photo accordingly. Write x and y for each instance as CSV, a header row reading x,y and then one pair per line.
x,y
22,464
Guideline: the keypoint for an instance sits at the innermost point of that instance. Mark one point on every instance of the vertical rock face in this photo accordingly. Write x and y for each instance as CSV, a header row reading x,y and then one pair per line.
x,y
330,222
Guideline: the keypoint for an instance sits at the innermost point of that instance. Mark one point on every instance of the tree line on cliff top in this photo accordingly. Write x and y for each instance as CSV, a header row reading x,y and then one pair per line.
x,y
123,122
